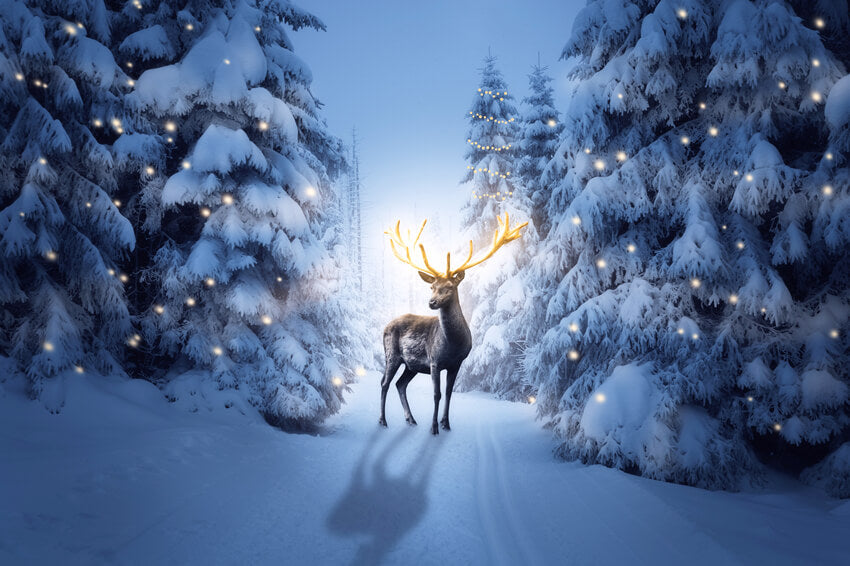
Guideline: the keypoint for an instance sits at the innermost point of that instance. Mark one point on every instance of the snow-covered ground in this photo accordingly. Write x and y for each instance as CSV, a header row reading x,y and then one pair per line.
x,y
123,477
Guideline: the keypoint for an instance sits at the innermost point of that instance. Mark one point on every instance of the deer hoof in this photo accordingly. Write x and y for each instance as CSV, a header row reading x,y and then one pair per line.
x,y
434,430
445,424
410,420
382,422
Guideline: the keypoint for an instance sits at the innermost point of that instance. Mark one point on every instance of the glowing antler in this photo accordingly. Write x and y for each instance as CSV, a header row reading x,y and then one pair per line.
x,y
397,240
504,234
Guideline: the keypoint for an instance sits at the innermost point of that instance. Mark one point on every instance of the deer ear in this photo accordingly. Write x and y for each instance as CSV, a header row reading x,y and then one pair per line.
x,y
427,278
458,277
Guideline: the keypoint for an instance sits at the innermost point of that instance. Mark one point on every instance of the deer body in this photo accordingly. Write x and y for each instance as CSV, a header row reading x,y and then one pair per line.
x,y
426,344
431,344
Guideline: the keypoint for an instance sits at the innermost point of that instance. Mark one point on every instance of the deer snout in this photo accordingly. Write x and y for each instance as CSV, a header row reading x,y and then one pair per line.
x,y
433,304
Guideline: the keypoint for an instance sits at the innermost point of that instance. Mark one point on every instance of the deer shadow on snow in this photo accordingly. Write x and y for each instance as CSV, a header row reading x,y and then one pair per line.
x,y
381,504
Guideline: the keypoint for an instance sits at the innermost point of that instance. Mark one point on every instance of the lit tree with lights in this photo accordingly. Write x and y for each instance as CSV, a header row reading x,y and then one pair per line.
x,y
697,283
496,295
246,282
62,236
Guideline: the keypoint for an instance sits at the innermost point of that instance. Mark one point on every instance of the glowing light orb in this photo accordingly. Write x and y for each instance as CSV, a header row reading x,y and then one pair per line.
x,y
587,150
48,346
42,160
696,283
150,170
532,399
601,263
210,282
828,156
573,327
834,333
227,199
631,248
816,62
702,106
621,156
736,173
117,203
131,82
620,95
360,371
257,28
263,125
573,355
190,302
750,399
19,76
685,140
217,351
111,272
816,96
123,278
599,165
227,61
680,331
599,398
781,85
71,29
205,212
733,299
170,126
266,319
820,23
129,64
740,244
749,177
695,336
97,122
310,192
552,123
158,309
279,279
777,427
186,164
763,310
50,255
713,131
116,123
79,369
827,190
337,381
576,220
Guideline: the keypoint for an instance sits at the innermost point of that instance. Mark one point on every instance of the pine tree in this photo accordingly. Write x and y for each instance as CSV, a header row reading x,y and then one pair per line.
x,y
492,296
697,288
246,283
62,235
541,129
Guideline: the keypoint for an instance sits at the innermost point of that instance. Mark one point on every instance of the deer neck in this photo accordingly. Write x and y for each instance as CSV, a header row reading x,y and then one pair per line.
x,y
452,321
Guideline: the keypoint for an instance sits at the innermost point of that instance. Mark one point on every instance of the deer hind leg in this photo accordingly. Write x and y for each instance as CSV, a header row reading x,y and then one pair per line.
x,y
450,385
435,377
389,372
401,385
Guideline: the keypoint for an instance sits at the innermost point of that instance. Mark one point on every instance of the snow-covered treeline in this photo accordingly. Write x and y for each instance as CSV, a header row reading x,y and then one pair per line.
x,y
169,204
685,312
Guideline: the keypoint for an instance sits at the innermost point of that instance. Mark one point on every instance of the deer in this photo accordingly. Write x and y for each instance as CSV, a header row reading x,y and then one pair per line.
x,y
431,344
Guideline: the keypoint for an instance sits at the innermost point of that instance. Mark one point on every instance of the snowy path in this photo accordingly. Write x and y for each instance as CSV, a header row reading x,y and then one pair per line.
x,y
121,477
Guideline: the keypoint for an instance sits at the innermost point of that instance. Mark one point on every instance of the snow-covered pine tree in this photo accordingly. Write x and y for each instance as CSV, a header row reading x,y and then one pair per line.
x,y
540,130
62,235
247,281
493,294
699,298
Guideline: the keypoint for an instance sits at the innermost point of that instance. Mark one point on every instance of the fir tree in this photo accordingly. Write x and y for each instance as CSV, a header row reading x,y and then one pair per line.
x,y
541,129
697,288
62,235
247,280
493,296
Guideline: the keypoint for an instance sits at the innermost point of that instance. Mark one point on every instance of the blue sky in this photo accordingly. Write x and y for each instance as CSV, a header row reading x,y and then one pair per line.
x,y
404,73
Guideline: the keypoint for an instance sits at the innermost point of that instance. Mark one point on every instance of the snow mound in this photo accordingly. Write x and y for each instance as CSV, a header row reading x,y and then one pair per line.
x,y
832,474
620,406
837,110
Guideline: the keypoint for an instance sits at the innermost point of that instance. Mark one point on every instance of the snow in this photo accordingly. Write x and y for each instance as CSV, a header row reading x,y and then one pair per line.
x,y
837,109
121,476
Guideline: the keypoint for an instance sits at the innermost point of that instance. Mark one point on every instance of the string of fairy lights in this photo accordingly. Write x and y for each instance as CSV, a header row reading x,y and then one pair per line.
x,y
493,175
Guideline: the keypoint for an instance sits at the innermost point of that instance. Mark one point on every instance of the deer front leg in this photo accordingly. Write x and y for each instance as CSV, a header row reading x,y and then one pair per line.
x,y
435,377
451,374
389,372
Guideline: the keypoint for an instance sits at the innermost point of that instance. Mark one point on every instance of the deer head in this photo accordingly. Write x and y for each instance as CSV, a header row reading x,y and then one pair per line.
x,y
444,284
